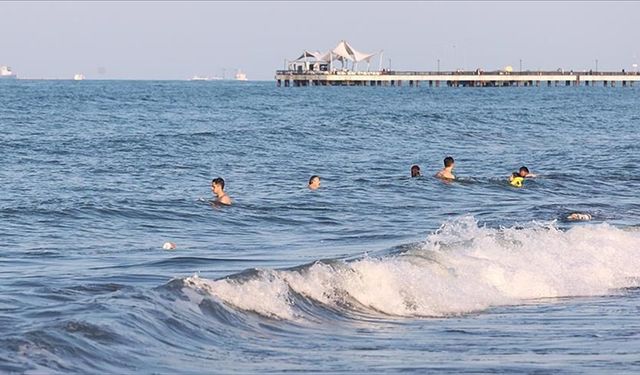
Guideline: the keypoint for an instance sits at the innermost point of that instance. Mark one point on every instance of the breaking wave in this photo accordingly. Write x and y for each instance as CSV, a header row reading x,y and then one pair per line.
x,y
461,268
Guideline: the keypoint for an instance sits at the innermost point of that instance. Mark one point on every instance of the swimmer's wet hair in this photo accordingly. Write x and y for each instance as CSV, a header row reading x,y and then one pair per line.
x,y
415,170
312,178
524,169
218,181
448,161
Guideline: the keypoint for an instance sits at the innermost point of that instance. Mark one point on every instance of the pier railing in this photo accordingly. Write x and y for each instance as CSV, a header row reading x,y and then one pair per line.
x,y
475,78
455,73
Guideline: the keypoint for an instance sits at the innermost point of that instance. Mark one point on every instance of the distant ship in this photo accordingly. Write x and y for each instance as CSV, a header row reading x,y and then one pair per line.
x,y
6,73
241,76
78,77
198,78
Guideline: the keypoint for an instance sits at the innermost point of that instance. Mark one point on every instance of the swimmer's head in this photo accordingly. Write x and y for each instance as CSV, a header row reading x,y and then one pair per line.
x,y
577,216
524,171
415,170
448,161
217,184
314,182
169,246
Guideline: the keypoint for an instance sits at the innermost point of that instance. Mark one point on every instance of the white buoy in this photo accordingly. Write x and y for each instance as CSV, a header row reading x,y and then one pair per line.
x,y
169,246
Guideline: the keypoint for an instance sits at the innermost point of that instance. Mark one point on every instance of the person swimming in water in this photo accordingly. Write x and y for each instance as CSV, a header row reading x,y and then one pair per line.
x,y
217,187
415,170
578,216
517,178
447,172
314,182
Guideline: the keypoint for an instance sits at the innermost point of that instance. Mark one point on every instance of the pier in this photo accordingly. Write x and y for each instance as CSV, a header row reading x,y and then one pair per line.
x,y
297,78
321,69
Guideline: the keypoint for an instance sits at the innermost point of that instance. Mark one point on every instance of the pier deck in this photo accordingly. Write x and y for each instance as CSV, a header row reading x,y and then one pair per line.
x,y
458,78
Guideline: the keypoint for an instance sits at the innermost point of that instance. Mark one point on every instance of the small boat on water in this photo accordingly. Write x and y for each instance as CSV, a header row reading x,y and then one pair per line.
x,y
240,76
6,73
78,77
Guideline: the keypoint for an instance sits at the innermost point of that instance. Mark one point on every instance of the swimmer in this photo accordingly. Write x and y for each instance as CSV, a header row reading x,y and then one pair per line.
x,y
576,216
524,172
517,178
415,171
314,182
446,172
217,187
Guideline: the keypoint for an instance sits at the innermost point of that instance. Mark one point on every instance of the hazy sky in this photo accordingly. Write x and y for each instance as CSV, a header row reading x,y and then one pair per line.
x,y
176,40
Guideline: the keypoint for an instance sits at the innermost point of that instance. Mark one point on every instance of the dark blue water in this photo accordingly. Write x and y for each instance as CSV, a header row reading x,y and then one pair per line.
x,y
375,271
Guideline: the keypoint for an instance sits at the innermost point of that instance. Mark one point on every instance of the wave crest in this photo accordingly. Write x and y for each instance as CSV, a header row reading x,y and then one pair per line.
x,y
460,268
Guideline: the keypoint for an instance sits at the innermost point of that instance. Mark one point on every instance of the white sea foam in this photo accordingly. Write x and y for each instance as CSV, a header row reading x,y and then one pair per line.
x,y
460,268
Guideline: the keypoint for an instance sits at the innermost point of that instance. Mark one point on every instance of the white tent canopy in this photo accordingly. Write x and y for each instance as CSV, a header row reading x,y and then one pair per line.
x,y
317,56
343,52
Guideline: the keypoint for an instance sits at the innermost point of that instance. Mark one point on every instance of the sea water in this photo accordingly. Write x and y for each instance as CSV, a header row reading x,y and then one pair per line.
x,y
373,272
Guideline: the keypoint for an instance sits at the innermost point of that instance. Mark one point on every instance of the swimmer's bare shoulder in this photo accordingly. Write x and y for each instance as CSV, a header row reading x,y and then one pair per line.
x,y
225,199
445,175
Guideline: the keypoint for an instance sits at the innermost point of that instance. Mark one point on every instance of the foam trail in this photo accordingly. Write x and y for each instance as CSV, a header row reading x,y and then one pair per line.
x,y
461,268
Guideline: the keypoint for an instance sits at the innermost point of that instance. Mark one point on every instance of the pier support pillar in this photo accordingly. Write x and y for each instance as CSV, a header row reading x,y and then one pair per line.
x,y
548,83
624,83
567,83
278,83
613,83
437,83
605,83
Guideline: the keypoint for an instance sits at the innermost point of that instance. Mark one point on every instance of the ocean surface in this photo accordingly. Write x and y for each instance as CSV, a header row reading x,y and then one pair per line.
x,y
374,272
